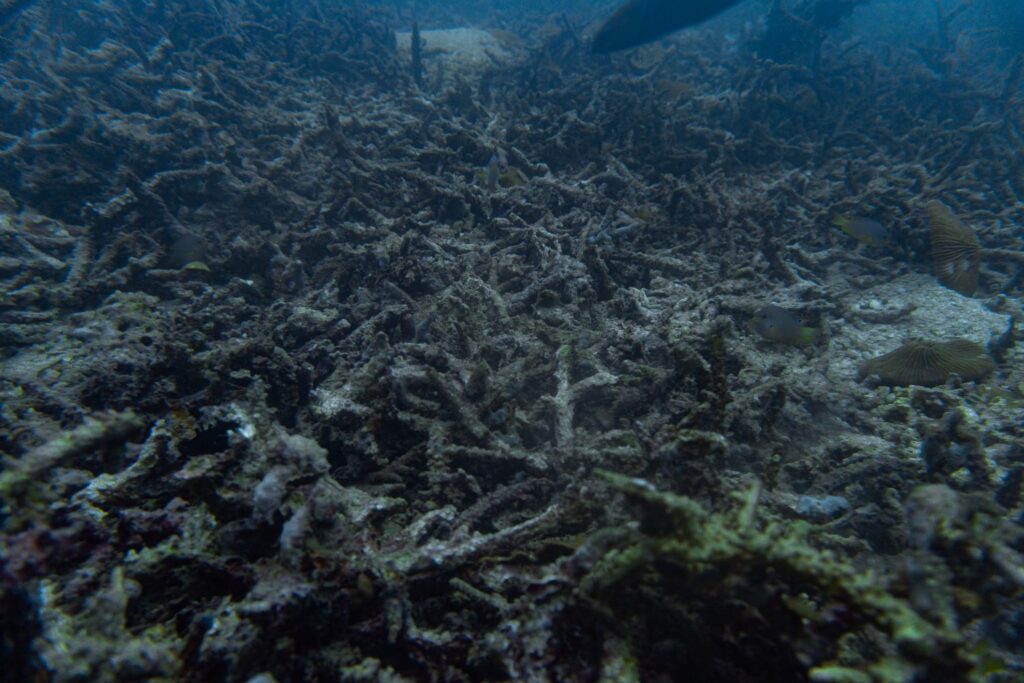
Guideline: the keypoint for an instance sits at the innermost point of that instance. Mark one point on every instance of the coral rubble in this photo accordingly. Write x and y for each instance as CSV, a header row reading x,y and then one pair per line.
x,y
322,360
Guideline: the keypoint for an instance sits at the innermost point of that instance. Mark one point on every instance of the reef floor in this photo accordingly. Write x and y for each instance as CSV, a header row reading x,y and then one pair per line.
x,y
322,360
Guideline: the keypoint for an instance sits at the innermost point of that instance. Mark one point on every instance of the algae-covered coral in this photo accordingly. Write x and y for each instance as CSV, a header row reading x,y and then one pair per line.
x,y
324,356
682,548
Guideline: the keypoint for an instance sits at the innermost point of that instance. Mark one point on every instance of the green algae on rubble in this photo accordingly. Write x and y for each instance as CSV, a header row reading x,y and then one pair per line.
x,y
680,538
96,645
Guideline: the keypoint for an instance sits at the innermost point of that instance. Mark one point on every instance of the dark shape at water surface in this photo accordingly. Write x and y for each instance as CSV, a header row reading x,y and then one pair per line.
x,y
827,14
955,250
930,363
641,21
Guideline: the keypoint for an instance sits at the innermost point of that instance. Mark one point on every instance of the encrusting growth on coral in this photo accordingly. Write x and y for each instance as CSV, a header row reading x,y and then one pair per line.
x,y
680,542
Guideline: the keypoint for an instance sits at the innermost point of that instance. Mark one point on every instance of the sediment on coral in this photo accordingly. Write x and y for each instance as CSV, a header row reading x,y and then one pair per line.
x,y
281,364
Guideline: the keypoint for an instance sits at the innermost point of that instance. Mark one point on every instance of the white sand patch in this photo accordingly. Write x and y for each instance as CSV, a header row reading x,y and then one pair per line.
x,y
940,314
466,52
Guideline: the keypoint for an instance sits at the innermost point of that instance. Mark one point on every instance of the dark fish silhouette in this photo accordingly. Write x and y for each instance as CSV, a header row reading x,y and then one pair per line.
x,y
865,230
641,21
776,324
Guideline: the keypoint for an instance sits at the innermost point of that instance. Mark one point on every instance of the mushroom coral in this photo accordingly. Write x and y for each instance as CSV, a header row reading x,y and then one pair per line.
x,y
929,363
955,249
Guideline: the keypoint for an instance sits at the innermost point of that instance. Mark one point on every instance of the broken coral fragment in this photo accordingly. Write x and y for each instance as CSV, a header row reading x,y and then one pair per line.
x,y
822,508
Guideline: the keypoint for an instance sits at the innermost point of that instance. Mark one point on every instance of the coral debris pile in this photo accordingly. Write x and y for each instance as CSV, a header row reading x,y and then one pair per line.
x,y
313,372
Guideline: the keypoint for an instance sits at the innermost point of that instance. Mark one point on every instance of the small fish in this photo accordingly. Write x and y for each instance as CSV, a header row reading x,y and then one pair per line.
x,y
187,248
513,177
196,267
642,21
776,324
864,230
